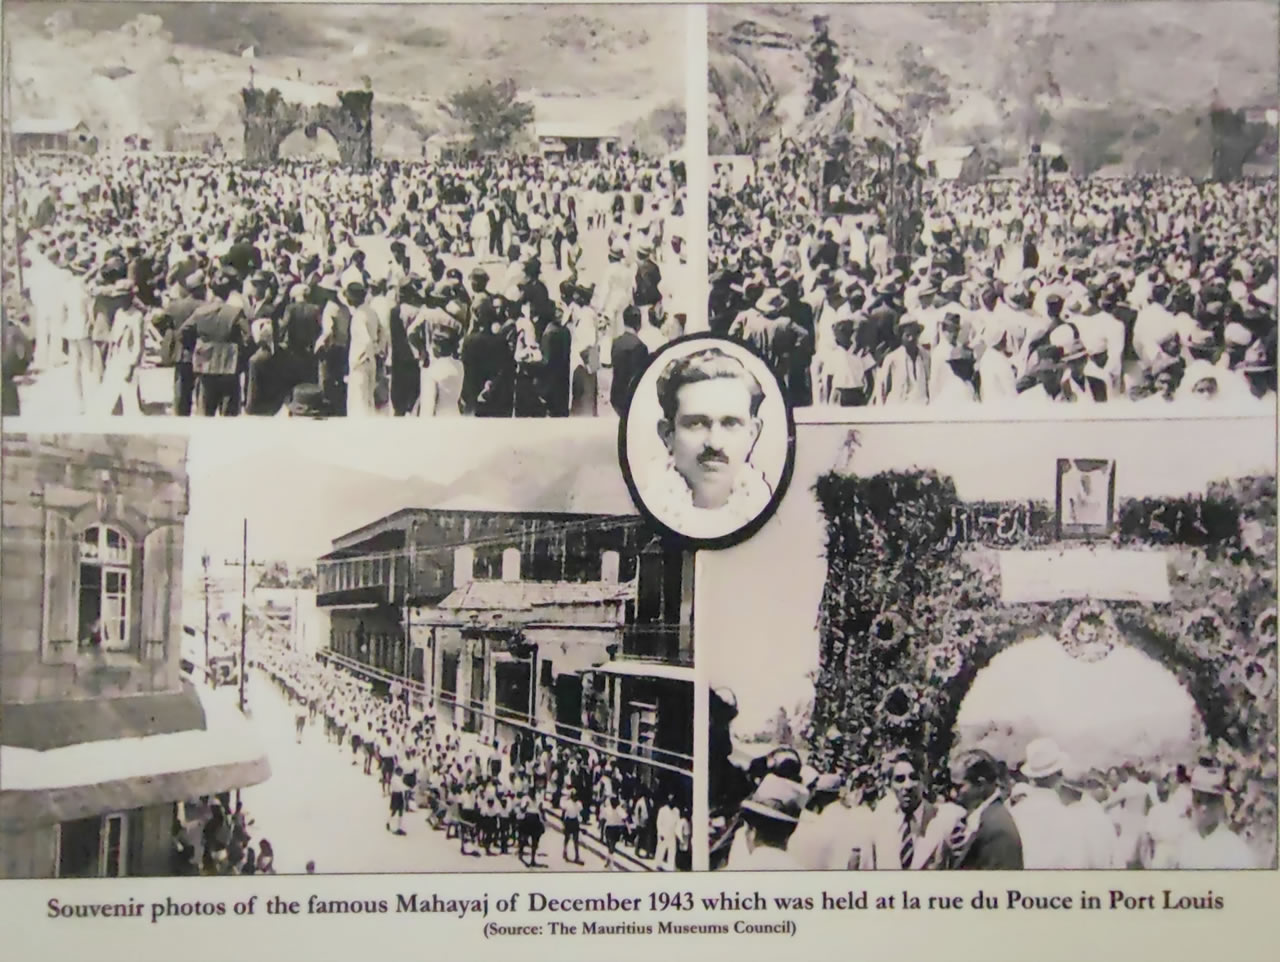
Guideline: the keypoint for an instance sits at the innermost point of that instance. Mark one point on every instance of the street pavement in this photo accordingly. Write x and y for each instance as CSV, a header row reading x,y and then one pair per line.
x,y
318,806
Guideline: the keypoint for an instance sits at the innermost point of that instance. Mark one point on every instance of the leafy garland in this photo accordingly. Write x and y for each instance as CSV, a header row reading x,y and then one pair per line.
x,y
908,618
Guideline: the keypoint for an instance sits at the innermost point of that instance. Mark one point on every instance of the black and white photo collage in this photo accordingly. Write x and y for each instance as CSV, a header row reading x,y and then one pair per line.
x,y
638,438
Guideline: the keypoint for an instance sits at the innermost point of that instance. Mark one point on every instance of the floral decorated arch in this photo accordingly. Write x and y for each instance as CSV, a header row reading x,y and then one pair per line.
x,y
912,611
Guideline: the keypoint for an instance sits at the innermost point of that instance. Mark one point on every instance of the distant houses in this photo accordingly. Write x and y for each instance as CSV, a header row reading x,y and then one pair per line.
x,y
57,135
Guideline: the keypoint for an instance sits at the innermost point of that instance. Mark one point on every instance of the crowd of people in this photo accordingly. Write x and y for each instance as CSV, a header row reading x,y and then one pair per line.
x,y
493,799
212,837
1082,290
1044,813
493,288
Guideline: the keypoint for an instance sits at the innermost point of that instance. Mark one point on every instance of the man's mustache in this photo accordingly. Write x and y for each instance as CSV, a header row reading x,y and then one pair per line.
x,y
713,454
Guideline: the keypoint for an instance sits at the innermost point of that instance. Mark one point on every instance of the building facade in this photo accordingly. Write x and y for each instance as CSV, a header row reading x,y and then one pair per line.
x,y
101,738
574,626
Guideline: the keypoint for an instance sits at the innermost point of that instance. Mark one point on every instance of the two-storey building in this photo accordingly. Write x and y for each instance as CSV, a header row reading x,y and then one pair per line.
x,y
572,625
101,739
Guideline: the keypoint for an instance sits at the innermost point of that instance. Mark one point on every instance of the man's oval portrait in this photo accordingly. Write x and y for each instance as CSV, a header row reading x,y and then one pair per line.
x,y
707,442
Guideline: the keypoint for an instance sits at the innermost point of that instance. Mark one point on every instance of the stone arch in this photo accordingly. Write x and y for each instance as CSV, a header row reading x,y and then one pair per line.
x,y
269,118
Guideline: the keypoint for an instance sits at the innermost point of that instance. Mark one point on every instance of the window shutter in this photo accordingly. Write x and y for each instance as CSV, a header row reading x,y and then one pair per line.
x,y
161,585
61,576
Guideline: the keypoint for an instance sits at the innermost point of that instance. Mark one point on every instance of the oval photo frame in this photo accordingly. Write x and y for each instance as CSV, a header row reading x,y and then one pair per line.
x,y
644,457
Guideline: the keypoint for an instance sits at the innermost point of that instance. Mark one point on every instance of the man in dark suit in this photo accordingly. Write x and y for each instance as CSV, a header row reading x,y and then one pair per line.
x,y
488,368
987,838
192,293
555,343
628,357
299,329
219,338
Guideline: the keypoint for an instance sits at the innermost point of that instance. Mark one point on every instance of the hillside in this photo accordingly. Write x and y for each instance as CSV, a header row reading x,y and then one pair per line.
x,y
131,68
1115,84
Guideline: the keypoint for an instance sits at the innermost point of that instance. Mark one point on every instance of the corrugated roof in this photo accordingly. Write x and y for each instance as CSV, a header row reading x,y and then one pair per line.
x,y
55,125
575,128
946,153
646,669
526,595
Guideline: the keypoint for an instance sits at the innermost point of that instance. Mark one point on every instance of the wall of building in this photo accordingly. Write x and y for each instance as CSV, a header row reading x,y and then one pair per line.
x,y
379,630
55,487
33,853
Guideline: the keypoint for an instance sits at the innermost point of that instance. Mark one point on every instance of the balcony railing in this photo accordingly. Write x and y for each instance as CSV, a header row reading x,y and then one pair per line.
x,y
668,644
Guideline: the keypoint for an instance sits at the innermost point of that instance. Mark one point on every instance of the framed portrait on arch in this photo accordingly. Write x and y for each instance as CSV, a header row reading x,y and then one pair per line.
x,y
1086,497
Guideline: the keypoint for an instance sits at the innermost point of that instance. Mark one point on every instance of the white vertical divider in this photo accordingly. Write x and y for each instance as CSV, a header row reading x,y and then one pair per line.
x,y
696,167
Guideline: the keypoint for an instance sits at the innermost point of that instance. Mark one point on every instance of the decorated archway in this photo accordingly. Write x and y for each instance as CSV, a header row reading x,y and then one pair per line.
x,y
913,609
310,143
1123,708
269,119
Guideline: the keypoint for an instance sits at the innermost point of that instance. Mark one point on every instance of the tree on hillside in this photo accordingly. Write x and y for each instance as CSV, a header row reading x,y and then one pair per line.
x,y
924,89
824,60
491,113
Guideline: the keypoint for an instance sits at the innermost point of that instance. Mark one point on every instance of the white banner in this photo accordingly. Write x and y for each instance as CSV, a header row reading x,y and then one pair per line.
x,y
1103,573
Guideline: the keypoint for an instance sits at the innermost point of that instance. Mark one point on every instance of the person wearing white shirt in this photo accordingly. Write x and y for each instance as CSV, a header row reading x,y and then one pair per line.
x,y
997,376
668,822
770,817
1049,836
1210,844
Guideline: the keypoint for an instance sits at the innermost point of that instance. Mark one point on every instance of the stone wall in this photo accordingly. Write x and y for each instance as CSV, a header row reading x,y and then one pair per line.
x,y
56,486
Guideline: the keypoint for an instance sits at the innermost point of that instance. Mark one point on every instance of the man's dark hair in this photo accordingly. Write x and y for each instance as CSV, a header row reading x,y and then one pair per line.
x,y
769,831
631,317
979,767
706,365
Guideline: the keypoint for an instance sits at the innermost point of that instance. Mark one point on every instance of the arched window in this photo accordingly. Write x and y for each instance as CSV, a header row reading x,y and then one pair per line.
x,y
106,560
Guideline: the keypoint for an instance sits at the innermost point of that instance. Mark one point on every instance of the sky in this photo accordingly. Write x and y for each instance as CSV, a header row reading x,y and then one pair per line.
x,y
763,650
302,487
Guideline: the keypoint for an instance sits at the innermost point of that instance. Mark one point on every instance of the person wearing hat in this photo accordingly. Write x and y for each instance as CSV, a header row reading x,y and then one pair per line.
x,y
843,371
1103,334
266,384
367,350
333,346
584,325
1049,836
1259,371
648,278
189,292
487,364
903,376
828,831
1089,822
951,365
614,293
298,330
769,819
997,373
1164,376
442,379
1236,338
218,335
1210,843
1077,387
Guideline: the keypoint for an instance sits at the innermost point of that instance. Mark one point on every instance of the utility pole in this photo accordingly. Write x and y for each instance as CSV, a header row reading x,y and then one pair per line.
x,y
11,174
244,565
204,562
244,603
